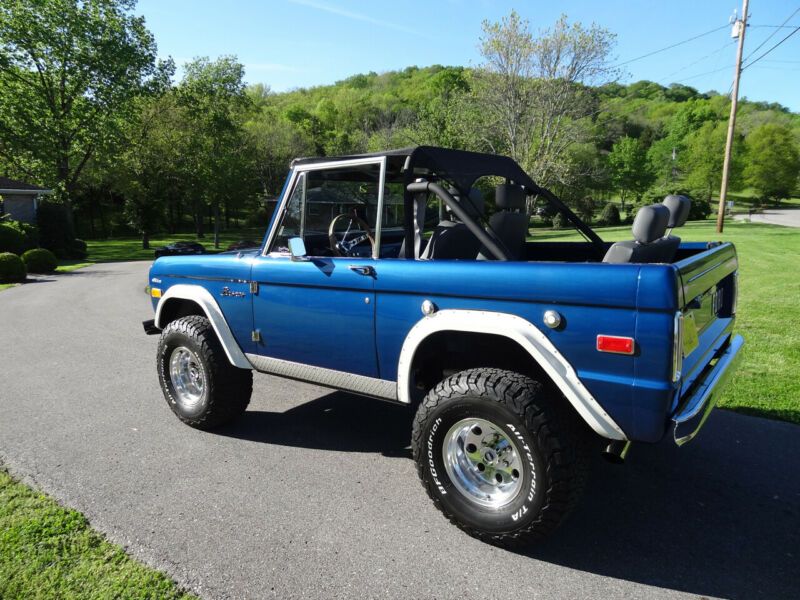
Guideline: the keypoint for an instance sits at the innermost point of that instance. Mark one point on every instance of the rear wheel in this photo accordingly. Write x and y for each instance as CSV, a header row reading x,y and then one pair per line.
x,y
500,455
200,385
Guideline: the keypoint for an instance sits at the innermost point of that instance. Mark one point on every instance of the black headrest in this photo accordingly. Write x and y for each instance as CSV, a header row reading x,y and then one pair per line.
x,y
474,205
679,207
650,223
509,197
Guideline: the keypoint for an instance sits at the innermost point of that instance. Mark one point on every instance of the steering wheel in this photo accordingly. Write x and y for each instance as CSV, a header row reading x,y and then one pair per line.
x,y
344,247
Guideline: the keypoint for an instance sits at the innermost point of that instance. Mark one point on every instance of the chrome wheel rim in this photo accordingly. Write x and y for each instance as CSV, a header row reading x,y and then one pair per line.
x,y
483,462
188,377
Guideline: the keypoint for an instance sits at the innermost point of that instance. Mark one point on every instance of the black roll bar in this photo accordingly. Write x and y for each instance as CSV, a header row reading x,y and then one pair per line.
x,y
421,187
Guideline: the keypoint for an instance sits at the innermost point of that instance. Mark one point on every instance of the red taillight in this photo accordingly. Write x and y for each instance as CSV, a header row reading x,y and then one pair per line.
x,y
615,344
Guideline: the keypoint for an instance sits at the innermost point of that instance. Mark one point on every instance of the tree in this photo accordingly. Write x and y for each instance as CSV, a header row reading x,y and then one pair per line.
x,y
678,92
274,142
531,90
630,170
701,161
153,172
213,94
773,162
68,72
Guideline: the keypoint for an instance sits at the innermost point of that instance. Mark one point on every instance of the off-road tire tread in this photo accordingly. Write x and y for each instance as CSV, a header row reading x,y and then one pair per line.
x,y
561,436
229,387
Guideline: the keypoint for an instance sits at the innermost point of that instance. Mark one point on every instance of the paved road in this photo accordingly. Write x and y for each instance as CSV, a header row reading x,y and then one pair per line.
x,y
789,217
313,495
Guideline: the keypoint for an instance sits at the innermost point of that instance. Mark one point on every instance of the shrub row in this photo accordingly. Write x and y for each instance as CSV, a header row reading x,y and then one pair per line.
x,y
14,268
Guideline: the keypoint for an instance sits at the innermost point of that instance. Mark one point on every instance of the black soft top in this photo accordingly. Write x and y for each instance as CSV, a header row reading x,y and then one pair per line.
x,y
460,168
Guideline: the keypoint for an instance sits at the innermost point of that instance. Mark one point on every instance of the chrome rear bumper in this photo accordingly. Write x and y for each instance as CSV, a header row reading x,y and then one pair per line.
x,y
696,409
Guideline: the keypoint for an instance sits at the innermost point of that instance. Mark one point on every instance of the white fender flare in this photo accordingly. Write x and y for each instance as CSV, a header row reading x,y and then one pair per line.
x,y
203,298
530,338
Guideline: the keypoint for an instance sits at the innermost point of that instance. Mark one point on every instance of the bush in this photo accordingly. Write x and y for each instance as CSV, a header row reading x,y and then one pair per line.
x,y
55,228
12,269
610,215
77,250
29,232
11,240
546,212
558,221
585,208
699,210
40,260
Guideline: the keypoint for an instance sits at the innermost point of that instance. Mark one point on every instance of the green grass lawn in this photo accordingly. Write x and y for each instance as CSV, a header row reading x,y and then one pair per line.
x,y
118,249
130,248
48,551
768,314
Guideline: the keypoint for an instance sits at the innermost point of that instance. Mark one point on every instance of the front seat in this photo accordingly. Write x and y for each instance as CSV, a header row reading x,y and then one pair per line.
x,y
649,244
510,222
452,239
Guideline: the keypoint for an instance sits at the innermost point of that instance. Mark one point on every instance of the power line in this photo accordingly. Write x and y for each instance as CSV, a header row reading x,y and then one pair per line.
x,y
691,39
755,60
777,68
769,37
691,64
704,73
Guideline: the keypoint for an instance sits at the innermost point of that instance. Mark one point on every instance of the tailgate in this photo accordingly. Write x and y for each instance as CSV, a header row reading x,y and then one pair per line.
x,y
708,305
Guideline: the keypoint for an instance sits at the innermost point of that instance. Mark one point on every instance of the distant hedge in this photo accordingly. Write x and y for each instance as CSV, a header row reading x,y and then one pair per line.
x,y
12,269
40,260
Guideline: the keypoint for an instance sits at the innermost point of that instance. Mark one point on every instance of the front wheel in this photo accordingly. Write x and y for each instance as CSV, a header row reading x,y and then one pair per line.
x,y
200,385
501,457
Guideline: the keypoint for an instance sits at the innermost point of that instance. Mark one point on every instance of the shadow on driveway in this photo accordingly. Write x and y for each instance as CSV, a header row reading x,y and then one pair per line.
x,y
337,421
719,517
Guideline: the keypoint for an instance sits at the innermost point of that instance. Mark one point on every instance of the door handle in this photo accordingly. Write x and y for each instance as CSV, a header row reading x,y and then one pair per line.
x,y
365,270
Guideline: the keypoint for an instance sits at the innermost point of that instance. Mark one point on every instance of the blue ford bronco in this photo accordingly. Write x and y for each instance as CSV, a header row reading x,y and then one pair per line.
x,y
409,276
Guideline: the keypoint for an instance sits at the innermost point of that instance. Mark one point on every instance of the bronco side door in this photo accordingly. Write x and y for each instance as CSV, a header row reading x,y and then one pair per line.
x,y
318,311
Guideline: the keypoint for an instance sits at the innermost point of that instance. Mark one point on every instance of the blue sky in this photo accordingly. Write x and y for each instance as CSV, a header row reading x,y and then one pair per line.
x,y
299,43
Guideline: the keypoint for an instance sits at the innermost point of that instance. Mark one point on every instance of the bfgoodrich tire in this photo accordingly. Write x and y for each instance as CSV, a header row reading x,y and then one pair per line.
x,y
199,383
500,455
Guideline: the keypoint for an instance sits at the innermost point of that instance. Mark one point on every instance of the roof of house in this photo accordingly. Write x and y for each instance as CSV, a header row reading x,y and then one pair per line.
x,y
12,185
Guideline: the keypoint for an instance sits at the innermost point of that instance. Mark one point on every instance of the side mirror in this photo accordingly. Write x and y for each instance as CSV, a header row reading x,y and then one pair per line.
x,y
298,249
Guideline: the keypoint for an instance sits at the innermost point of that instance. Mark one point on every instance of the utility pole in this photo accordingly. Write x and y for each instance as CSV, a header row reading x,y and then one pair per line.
x,y
739,27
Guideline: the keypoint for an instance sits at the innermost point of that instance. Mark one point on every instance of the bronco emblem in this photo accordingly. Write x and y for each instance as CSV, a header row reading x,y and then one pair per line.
x,y
226,291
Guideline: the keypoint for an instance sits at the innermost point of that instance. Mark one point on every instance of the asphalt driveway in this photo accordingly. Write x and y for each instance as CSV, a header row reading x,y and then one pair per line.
x,y
314,494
